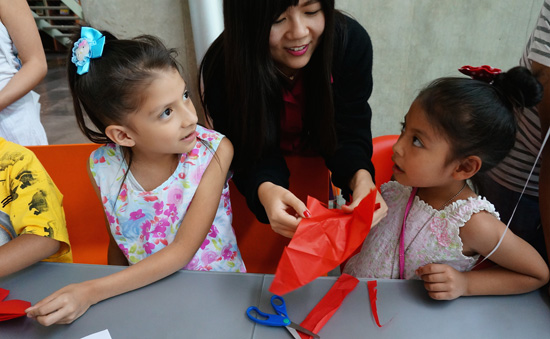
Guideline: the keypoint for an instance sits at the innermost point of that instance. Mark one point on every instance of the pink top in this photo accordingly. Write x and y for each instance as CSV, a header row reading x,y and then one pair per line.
x,y
432,236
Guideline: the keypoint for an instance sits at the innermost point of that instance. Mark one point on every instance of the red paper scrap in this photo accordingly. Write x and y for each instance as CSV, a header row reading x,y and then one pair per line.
x,y
371,285
3,294
330,303
321,243
10,309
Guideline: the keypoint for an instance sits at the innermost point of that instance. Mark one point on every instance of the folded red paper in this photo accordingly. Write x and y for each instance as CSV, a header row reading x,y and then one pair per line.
x,y
10,309
321,243
331,302
371,285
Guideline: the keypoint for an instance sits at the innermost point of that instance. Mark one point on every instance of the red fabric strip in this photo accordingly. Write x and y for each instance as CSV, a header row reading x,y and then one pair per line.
x,y
330,303
3,294
371,285
10,309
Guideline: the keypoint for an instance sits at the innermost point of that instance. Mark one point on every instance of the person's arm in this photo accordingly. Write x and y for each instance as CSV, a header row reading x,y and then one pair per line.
x,y
521,268
70,302
352,87
114,253
25,250
351,166
16,16
542,73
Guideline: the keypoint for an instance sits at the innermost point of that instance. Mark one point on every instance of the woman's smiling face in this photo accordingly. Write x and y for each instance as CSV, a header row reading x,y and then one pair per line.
x,y
295,35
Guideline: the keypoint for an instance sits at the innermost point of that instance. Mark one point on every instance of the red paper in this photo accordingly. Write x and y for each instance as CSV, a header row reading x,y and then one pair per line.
x,y
321,243
3,294
330,303
371,285
10,309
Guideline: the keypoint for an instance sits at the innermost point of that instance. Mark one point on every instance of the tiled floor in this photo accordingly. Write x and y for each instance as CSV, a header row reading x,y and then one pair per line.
x,y
57,113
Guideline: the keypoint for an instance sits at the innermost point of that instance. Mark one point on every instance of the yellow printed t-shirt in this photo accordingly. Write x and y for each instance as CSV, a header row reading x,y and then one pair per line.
x,y
30,203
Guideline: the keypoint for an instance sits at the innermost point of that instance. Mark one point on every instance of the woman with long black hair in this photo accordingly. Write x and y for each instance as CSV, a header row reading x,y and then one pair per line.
x,y
291,77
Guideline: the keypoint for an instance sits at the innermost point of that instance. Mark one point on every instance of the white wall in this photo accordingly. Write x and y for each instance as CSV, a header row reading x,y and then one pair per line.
x,y
418,41
415,41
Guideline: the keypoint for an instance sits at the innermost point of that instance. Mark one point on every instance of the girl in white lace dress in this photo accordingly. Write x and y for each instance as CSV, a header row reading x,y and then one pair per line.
x,y
437,226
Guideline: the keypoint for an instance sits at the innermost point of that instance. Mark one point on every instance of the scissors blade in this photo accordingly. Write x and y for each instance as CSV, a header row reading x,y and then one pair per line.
x,y
303,330
294,333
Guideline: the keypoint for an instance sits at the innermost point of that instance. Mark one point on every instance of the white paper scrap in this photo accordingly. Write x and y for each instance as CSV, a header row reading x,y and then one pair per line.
x,y
99,335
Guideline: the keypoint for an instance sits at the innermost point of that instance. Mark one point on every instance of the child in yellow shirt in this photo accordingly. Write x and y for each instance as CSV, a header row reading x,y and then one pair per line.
x,y
32,220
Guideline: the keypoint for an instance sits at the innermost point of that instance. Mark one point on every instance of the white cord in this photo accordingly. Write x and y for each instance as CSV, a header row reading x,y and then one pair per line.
x,y
524,187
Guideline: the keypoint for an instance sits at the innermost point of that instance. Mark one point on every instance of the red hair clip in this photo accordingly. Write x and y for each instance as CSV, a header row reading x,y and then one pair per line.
x,y
483,73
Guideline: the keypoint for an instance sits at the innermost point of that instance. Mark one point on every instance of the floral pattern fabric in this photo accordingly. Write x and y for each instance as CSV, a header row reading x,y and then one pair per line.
x,y
143,222
431,236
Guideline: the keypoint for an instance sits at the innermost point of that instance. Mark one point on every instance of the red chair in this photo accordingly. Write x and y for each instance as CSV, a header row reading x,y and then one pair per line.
x,y
381,158
66,165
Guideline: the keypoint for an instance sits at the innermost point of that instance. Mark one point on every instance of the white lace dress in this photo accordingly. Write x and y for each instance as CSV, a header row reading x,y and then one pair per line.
x,y
431,236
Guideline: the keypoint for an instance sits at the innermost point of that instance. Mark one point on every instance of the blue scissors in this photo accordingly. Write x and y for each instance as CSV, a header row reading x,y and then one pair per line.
x,y
279,319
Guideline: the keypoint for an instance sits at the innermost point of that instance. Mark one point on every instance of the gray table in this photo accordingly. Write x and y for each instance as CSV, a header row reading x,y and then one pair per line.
x,y
212,305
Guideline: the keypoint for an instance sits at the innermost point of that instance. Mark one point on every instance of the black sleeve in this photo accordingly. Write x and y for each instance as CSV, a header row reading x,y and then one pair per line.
x,y
352,87
271,167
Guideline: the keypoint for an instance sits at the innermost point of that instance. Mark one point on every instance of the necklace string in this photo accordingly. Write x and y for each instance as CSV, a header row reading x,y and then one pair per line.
x,y
289,77
454,196
402,236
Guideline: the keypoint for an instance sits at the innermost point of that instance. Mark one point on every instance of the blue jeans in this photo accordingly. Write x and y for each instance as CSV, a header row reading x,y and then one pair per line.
x,y
526,222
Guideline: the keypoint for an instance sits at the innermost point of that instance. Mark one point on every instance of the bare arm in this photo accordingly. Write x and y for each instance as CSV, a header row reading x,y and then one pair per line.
x,y
69,303
24,251
521,269
114,253
17,17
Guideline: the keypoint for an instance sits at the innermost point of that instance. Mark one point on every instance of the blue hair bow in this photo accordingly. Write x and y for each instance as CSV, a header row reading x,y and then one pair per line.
x,y
89,46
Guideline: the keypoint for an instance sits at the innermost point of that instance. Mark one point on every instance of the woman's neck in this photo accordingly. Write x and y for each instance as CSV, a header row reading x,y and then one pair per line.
x,y
289,76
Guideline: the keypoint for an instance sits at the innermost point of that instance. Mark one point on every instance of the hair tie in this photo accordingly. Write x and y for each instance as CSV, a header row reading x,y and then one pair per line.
x,y
483,73
89,46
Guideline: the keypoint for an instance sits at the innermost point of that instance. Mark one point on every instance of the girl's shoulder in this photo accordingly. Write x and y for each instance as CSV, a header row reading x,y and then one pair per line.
x,y
106,155
395,194
209,138
392,188
462,211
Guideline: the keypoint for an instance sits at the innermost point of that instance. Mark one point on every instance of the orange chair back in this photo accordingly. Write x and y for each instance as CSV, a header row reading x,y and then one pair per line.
x,y
381,158
260,247
66,165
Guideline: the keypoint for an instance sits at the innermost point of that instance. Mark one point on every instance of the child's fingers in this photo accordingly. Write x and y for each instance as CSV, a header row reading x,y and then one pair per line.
x,y
44,309
430,269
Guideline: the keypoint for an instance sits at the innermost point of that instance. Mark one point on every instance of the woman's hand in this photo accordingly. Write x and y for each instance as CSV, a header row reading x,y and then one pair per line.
x,y
284,210
362,184
64,306
442,281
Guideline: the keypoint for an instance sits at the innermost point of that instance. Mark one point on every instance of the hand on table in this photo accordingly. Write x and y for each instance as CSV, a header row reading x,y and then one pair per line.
x,y
284,210
442,281
62,307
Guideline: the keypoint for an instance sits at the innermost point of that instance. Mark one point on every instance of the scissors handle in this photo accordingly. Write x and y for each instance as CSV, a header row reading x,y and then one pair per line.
x,y
266,318
279,305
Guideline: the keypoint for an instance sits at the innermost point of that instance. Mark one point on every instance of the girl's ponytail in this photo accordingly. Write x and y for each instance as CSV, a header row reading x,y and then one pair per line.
x,y
519,87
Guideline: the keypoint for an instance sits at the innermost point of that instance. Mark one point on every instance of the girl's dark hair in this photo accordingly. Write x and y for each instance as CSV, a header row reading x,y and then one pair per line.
x,y
113,85
253,87
479,118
